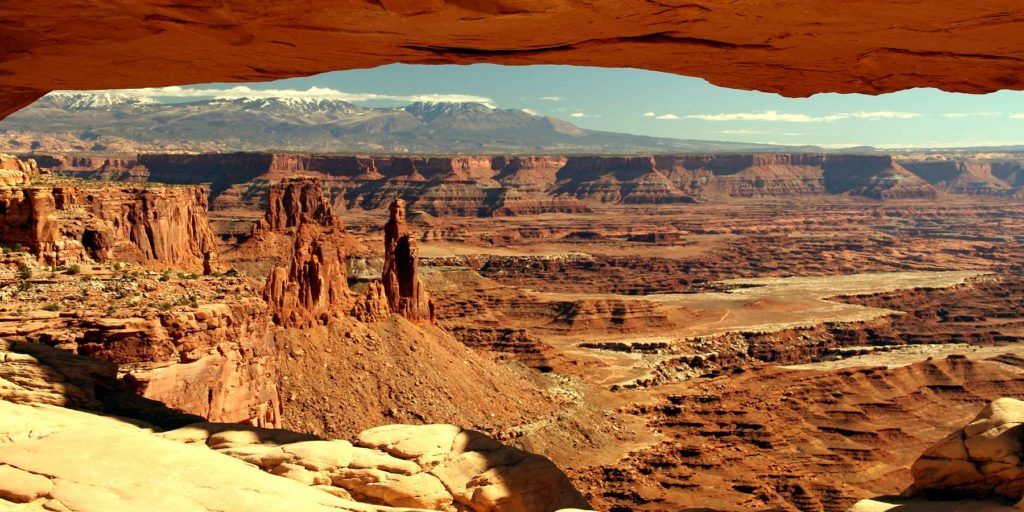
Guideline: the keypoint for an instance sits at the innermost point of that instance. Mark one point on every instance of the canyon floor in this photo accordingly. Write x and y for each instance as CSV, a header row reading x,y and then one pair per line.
x,y
786,353
761,355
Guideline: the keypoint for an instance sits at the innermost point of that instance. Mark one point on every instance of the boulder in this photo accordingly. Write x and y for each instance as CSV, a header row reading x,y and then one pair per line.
x,y
982,460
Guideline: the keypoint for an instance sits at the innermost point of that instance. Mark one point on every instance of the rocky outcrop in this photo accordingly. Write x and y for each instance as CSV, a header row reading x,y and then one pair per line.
x,y
431,467
981,460
402,286
52,458
313,289
792,48
12,163
159,226
973,178
168,226
215,361
290,203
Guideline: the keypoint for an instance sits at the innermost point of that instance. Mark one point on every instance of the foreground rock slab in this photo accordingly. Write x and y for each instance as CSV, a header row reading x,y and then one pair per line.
x,y
97,463
59,459
983,459
433,467
976,468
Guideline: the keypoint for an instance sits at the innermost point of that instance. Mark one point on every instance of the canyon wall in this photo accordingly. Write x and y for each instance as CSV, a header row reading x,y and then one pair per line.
x,y
217,360
529,185
968,178
160,227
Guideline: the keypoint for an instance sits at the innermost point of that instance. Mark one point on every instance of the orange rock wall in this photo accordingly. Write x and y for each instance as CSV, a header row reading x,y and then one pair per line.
x,y
795,48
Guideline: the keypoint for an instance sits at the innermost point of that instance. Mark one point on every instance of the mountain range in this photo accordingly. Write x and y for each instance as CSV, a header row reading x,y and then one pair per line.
x,y
119,122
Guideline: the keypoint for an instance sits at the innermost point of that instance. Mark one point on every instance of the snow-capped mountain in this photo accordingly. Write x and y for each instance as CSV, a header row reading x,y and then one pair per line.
x,y
75,101
92,121
429,110
304,105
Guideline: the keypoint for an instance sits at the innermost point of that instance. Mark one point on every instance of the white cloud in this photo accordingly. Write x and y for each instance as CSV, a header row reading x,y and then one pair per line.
x,y
529,111
577,114
649,114
960,115
885,114
1017,116
243,91
668,117
552,98
776,116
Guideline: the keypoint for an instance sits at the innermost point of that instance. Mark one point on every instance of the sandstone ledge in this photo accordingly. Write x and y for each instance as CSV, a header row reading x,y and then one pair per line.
x,y
66,460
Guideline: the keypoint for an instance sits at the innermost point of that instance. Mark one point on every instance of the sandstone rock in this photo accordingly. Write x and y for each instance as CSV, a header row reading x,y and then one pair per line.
x,y
402,285
165,226
420,490
314,288
363,458
793,48
291,202
34,373
486,475
217,361
434,467
21,486
94,464
425,443
981,460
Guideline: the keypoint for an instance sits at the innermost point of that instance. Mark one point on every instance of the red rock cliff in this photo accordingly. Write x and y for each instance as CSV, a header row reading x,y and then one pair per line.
x,y
165,227
313,288
406,294
289,202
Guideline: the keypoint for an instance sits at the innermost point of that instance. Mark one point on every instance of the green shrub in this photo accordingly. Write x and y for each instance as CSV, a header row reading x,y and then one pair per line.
x,y
166,276
24,273
73,270
52,307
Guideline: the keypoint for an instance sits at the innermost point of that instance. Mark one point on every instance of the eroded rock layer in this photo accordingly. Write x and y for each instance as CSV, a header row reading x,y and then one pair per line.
x,y
402,285
529,185
63,224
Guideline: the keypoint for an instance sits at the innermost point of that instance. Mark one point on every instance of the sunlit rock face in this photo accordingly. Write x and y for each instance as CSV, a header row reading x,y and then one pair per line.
x,y
795,48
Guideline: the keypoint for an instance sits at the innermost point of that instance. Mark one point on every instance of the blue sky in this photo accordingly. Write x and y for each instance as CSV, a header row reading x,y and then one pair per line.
x,y
659,104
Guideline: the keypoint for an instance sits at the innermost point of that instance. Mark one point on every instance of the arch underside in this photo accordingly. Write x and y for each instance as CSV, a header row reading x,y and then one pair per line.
x,y
790,47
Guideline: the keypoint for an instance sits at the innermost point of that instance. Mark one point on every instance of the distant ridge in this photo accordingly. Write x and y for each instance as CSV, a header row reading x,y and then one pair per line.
x,y
120,122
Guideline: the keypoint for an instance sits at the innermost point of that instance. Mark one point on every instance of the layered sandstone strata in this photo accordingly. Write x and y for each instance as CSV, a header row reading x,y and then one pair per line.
x,y
974,178
213,360
161,226
530,185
